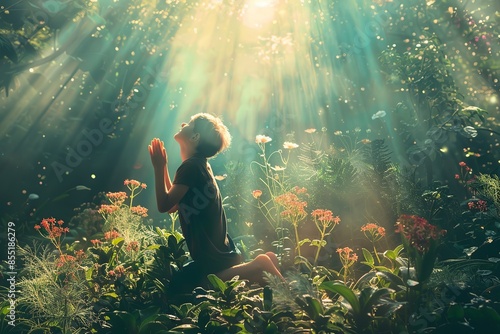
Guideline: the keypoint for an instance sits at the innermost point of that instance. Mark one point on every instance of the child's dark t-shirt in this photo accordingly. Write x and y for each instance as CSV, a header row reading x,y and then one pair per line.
x,y
202,217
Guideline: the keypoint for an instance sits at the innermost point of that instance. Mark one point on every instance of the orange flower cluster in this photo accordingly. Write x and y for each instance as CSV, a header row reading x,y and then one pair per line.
x,y
373,231
418,232
325,217
117,198
107,209
294,208
117,272
133,246
347,256
110,235
133,184
52,227
139,210
299,190
65,259
96,242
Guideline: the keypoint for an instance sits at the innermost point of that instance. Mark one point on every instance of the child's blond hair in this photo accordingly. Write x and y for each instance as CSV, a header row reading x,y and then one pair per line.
x,y
214,135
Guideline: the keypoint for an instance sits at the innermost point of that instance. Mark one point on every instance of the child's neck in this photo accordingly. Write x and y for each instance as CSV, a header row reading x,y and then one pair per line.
x,y
187,152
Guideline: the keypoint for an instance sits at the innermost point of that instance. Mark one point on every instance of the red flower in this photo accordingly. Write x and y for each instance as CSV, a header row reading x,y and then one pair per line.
x,y
418,231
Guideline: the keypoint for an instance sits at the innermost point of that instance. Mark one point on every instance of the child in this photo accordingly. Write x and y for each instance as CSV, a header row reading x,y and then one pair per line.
x,y
196,197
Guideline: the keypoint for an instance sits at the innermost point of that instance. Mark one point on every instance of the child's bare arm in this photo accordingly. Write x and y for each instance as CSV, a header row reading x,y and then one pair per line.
x,y
167,194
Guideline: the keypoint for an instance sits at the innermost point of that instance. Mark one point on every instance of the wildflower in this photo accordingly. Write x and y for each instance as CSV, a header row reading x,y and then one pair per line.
x,y
107,209
293,207
96,242
278,168
337,133
347,255
117,198
80,254
261,139
311,130
373,231
139,210
325,217
111,273
418,232
133,246
457,177
462,164
366,141
110,235
347,258
289,145
119,271
65,259
299,190
134,184
52,227
256,193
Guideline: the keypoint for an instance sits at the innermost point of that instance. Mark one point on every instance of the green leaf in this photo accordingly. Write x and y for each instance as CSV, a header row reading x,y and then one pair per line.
x,y
344,291
368,256
390,254
268,298
455,313
374,298
217,283
7,49
304,241
318,243
271,328
118,241
88,273
314,307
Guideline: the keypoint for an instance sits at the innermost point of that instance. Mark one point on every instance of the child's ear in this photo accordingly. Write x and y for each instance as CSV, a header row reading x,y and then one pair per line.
x,y
195,137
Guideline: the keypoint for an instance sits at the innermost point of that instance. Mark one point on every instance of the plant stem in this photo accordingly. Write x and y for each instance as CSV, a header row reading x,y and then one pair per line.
x,y
297,238
320,243
376,254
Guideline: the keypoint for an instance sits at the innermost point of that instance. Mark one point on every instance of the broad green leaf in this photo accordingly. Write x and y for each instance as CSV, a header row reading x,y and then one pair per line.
x,y
344,291
368,256
118,241
217,283
88,273
390,254
455,313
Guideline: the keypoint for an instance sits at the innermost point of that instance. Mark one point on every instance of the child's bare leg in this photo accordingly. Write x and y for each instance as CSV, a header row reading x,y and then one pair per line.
x,y
273,258
252,271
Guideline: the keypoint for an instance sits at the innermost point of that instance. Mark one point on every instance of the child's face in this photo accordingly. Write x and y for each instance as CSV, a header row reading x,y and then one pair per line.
x,y
186,134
